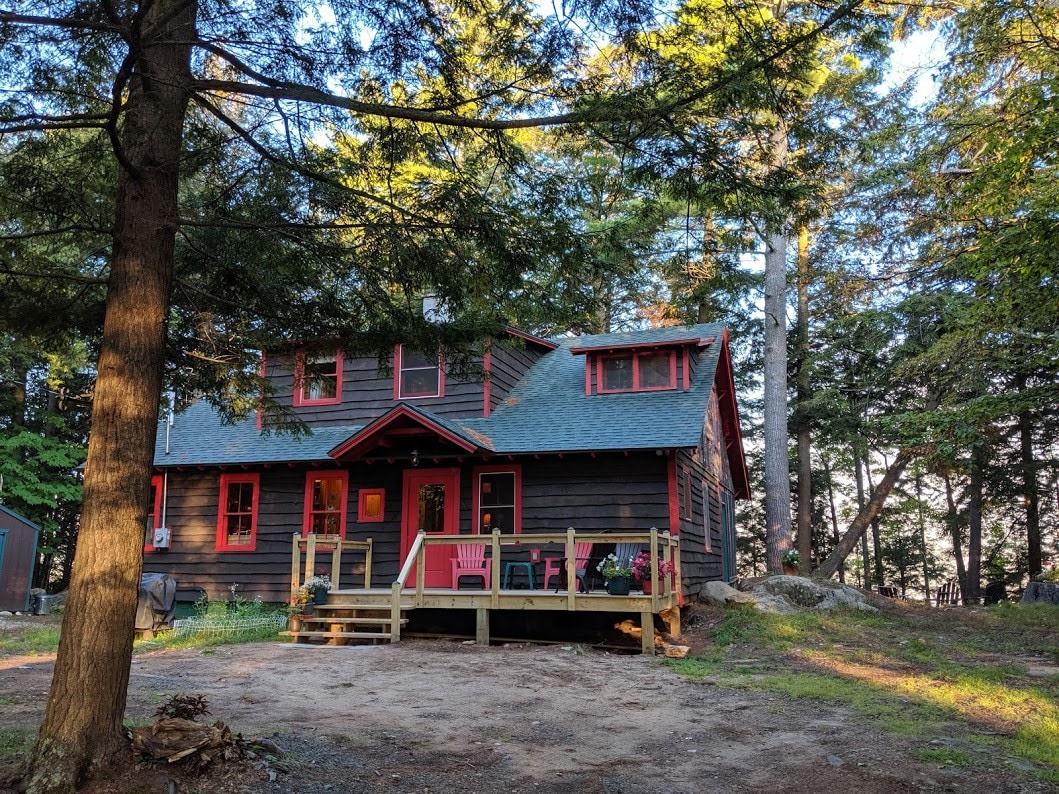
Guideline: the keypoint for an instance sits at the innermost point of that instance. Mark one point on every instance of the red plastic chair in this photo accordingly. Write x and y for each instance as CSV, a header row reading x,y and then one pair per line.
x,y
470,560
556,566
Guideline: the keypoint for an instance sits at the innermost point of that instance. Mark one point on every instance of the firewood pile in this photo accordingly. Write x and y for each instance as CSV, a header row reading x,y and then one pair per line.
x,y
175,739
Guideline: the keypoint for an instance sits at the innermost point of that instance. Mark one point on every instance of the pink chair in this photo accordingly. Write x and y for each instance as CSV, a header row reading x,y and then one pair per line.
x,y
556,566
470,560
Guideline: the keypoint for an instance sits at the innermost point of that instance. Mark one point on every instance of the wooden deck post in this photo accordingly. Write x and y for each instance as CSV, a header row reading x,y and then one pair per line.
x,y
395,612
310,555
336,561
481,633
295,566
494,578
647,632
656,595
571,570
367,565
421,568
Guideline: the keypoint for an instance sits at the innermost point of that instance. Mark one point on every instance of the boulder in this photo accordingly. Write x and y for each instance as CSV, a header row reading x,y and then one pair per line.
x,y
1041,593
719,593
812,594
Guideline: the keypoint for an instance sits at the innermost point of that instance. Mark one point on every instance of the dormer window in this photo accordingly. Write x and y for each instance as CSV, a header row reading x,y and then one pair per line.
x,y
652,370
318,379
417,374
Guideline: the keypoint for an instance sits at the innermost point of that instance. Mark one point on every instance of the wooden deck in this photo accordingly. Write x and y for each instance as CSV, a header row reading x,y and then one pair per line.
x,y
377,614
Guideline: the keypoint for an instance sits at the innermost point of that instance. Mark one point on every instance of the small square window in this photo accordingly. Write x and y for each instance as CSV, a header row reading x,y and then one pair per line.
x,y
371,505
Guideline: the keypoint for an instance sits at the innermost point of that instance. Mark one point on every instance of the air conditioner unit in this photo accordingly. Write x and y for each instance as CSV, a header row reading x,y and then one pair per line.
x,y
162,538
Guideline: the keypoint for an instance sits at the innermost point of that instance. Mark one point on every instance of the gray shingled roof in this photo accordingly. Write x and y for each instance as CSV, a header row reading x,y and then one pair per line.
x,y
548,411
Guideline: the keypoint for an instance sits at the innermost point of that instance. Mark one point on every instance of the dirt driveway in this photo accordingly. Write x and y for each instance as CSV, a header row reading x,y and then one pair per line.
x,y
439,716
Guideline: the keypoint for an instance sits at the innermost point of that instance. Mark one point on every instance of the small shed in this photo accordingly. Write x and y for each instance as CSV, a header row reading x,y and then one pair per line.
x,y
18,552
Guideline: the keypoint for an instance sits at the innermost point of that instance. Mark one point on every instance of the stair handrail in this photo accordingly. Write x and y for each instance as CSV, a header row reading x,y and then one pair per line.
x,y
395,589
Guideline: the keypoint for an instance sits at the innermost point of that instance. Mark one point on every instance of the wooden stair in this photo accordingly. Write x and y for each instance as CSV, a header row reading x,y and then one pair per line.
x,y
345,624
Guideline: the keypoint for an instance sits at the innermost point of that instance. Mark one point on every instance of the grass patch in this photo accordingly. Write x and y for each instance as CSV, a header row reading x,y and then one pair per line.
x,y
36,641
15,741
915,673
944,757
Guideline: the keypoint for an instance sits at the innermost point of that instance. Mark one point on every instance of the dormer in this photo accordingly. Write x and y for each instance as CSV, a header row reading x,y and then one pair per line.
x,y
615,365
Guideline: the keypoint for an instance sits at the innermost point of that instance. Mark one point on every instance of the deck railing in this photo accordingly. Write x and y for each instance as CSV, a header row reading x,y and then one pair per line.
x,y
662,545
310,544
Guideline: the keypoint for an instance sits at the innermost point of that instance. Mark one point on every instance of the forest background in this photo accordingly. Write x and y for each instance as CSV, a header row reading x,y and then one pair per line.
x,y
185,184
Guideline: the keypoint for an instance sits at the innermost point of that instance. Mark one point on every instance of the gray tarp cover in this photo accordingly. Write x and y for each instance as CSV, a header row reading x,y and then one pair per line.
x,y
154,609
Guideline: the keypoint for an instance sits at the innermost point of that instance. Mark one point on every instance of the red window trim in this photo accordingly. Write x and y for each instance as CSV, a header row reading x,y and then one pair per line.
x,y
299,381
362,518
687,510
307,511
476,491
397,368
636,372
222,532
706,514
156,509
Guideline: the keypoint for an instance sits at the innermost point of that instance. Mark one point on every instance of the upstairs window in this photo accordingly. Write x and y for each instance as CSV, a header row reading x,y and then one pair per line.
x,y
325,503
648,371
237,513
417,375
318,379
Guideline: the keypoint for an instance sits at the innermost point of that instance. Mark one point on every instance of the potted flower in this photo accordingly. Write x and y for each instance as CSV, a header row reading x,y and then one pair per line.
x,y
791,561
617,573
317,587
641,570
299,605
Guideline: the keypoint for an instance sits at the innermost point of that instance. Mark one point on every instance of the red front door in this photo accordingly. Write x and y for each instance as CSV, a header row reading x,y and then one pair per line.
x,y
432,503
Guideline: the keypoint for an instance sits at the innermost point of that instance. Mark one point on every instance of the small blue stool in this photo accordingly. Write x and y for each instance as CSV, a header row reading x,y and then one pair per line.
x,y
526,566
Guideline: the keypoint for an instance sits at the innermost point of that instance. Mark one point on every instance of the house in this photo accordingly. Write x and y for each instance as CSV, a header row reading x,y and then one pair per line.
x,y
18,553
614,433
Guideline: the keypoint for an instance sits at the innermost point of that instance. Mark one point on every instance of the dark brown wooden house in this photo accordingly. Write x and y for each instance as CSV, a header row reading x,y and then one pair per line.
x,y
612,436
18,553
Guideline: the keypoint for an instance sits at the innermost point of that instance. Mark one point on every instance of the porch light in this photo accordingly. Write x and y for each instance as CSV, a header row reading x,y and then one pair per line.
x,y
415,458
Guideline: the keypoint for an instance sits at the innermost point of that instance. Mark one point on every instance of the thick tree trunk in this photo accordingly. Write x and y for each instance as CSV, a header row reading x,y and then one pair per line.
x,y
972,594
1030,493
82,729
864,556
834,515
923,550
876,539
777,465
952,517
805,466
856,529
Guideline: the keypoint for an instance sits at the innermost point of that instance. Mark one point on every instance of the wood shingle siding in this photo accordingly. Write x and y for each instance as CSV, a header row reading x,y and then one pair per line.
x,y
508,365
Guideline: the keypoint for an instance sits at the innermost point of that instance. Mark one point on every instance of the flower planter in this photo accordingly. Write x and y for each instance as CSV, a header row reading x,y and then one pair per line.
x,y
618,586
319,596
790,570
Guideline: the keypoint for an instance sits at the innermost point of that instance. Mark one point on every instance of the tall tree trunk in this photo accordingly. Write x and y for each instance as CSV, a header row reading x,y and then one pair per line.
x,y
876,540
82,729
974,529
834,515
865,558
952,518
777,464
856,529
1030,493
923,537
805,467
